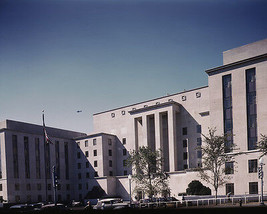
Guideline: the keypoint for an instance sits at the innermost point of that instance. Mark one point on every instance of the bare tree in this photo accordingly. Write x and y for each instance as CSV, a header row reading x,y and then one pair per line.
x,y
214,157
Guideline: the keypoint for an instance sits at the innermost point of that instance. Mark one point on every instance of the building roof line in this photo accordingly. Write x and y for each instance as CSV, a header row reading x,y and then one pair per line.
x,y
94,135
166,96
238,63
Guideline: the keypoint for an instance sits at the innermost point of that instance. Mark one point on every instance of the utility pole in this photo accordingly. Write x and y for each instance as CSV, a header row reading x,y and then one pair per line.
x,y
55,184
260,175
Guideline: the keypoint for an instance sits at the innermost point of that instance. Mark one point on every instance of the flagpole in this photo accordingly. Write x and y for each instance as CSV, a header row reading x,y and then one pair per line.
x,y
45,148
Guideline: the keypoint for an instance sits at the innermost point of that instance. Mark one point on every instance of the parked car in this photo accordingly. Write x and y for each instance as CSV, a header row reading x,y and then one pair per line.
x,y
110,203
54,207
20,207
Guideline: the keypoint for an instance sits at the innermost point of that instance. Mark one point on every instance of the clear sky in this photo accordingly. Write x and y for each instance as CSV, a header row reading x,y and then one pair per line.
x,y
95,55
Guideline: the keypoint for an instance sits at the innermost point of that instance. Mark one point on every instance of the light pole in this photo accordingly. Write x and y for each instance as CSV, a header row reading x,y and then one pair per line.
x,y
130,188
55,184
260,174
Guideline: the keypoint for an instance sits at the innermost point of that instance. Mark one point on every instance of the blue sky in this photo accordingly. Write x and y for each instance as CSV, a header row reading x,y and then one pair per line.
x,y
94,55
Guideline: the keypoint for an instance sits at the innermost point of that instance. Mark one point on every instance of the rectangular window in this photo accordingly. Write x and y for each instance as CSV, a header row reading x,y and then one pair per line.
x,y
86,153
110,173
109,152
184,130
37,158
17,187
94,142
253,187
66,151
185,155
95,152
96,174
28,187
87,164
199,141
227,110
185,143
124,163
199,154
124,152
251,108
199,129
15,156
229,188
252,166
123,141
86,143
57,159
39,186
229,168
79,166
49,186
109,142
27,157
95,163
110,163
47,158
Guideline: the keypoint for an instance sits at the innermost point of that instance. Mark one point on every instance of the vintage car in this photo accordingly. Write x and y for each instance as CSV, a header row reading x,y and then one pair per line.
x,y
110,203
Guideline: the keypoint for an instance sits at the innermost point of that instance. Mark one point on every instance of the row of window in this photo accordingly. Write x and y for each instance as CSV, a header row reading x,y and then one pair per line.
x,y
252,167
94,143
87,153
185,142
251,105
253,188
27,164
39,187
198,130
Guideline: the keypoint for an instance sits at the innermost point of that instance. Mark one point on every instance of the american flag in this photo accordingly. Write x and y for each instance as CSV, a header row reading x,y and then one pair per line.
x,y
47,139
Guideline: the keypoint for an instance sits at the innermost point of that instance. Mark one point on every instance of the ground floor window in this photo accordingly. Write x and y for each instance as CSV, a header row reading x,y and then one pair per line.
x,y
230,189
253,187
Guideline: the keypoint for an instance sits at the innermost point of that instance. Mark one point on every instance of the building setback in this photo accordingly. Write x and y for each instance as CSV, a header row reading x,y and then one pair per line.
x,y
234,102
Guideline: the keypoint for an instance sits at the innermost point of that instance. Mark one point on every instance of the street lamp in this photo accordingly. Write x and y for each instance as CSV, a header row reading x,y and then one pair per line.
x,y
260,175
130,188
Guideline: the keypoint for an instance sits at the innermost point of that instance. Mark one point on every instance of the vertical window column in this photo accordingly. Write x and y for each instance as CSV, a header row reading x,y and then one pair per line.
x,y
251,108
57,159
66,150
227,110
15,156
27,157
37,158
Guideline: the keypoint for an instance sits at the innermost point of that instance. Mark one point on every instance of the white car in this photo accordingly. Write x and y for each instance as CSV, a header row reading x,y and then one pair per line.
x,y
110,203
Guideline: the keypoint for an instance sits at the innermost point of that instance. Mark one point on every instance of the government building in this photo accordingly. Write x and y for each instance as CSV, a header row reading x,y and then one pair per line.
x,y
234,102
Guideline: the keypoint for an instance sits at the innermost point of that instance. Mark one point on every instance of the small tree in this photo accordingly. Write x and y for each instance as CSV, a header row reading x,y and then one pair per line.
x,y
262,145
147,171
214,159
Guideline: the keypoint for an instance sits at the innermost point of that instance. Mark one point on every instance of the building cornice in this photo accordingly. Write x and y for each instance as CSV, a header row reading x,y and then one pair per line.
x,y
237,64
167,96
153,107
